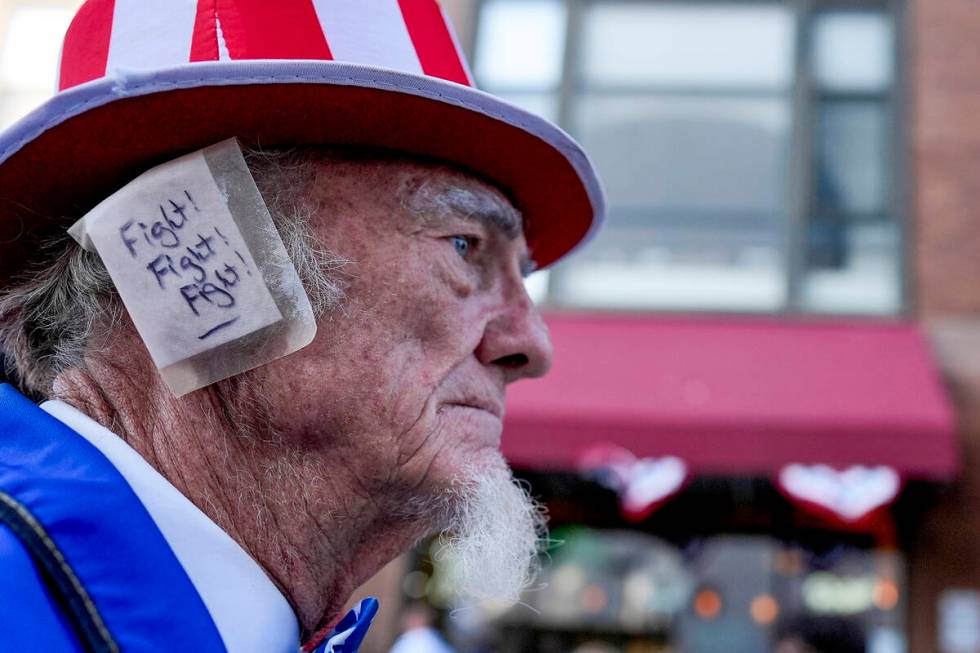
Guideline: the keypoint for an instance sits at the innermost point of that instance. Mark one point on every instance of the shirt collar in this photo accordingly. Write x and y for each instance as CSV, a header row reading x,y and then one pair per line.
x,y
250,612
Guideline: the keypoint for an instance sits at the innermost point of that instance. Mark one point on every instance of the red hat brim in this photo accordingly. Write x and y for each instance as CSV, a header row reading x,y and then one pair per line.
x,y
87,142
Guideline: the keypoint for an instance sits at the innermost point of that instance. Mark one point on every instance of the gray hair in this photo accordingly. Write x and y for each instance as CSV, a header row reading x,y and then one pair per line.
x,y
50,314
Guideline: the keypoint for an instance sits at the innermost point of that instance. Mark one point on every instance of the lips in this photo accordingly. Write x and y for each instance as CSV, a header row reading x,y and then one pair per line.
x,y
492,407
472,389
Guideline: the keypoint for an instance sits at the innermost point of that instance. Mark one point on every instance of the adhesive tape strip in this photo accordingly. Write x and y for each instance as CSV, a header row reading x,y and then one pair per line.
x,y
200,267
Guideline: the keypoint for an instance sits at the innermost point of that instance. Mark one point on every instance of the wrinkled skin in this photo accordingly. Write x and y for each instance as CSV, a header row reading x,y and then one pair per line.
x,y
416,362
323,464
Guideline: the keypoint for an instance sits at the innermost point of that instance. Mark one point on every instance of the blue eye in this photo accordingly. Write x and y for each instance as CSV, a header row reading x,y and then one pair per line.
x,y
462,245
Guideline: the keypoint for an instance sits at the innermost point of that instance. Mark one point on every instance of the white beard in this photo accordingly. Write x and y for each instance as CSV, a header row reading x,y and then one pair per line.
x,y
490,548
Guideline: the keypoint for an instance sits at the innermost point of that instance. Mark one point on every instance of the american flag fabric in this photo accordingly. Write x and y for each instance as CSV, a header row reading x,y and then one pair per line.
x,y
350,632
411,36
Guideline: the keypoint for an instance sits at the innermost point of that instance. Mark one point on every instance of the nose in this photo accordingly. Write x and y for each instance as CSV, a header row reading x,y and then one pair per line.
x,y
516,340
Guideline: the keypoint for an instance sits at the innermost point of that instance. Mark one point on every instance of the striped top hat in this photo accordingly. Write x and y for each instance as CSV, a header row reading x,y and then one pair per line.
x,y
144,81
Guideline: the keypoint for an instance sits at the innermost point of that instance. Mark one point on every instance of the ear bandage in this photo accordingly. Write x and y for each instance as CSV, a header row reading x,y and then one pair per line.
x,y
200,267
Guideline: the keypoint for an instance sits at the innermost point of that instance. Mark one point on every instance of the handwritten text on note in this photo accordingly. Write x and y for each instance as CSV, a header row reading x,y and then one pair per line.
x,y
180,262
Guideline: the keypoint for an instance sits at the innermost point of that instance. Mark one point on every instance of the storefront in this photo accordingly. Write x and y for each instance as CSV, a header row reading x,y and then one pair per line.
x,y
726,485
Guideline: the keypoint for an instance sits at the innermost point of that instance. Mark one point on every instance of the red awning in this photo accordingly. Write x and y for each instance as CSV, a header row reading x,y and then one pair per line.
x,y
736,396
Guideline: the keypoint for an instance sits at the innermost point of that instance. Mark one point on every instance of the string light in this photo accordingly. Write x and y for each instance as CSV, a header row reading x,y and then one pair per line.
x,y
885,595
707,604
764,609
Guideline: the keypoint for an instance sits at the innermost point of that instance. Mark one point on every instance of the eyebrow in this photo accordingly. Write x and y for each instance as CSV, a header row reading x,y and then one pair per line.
x,y
474,204
483,207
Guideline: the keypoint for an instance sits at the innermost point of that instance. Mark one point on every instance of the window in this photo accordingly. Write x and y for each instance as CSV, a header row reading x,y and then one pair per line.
x,y
521,48
853,244
747,148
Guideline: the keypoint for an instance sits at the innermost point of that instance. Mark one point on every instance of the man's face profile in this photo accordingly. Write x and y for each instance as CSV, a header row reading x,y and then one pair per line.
x,y
405,381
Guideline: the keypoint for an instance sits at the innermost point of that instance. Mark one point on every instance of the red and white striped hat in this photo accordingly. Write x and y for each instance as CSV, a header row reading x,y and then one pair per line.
x,y
144,81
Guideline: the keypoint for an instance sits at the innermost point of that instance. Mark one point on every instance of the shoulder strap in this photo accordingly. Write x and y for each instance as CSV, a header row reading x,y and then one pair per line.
x,y
81,611
34,619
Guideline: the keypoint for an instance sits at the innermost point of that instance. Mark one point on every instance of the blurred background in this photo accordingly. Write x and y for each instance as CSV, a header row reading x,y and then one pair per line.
x,y
762,427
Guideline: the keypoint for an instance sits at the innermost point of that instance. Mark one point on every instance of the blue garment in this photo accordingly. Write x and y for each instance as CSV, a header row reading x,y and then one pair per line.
x,y
89,568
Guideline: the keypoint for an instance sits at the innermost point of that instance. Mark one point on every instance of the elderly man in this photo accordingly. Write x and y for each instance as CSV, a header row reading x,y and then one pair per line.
x,y
137,514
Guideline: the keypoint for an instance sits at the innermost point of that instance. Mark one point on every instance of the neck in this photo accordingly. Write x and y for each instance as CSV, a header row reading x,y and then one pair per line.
x,y
318,531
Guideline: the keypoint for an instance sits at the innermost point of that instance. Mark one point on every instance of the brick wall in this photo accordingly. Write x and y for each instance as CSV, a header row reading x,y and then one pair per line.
x,y
944,93
944,77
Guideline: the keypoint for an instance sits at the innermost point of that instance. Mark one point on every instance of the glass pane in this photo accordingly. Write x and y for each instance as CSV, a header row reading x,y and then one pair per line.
x,y
853,51
676,44
29,57
536,285
851,165
696,190
730,571
520,43
854,268
706,154
656,277
542,104
17,105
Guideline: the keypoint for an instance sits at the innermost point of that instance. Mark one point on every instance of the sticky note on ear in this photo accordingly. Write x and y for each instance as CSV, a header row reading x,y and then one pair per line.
x,y
200,267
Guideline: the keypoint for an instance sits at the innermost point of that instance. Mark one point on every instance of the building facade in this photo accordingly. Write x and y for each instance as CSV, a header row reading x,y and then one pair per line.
x,y
944,146
803,162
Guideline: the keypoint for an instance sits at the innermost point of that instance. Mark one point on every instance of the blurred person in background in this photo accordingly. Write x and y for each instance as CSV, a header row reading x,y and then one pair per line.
x,y
418,632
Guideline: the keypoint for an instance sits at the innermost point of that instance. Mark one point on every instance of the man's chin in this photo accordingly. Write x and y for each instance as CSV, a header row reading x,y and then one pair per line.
x,y
492,541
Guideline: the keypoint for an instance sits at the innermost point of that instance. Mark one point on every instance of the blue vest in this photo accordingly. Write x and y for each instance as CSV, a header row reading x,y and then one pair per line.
x,y
90,568
83,567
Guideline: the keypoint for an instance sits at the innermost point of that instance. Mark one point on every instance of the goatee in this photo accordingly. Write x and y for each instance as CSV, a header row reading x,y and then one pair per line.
x,y
496,529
